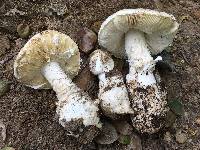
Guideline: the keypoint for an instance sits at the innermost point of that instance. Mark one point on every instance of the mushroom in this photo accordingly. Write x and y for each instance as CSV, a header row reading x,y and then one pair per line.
x,y
52,59
113,94
136,34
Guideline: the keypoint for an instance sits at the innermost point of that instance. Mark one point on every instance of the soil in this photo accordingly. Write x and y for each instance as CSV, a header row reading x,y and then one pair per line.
x,y
29,115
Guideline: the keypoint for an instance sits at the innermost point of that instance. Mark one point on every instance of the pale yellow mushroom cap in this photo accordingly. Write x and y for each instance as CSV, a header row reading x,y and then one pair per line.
x,y
42,48
159,29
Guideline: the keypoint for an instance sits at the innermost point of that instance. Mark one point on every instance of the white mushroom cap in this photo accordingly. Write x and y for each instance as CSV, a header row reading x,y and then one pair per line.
x,y
42,48
159,29
100,62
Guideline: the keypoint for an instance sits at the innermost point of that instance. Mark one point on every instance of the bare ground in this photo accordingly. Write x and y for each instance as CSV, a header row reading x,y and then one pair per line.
x,y
29,115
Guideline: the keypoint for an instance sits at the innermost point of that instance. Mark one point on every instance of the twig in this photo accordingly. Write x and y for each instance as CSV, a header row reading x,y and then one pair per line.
x,y
184,57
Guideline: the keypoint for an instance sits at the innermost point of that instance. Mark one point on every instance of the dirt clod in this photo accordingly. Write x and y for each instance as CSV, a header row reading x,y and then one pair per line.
x,y
58,6
198,121
4,44
2,132
96,26
4,87
181,137
167,137
19,43
135,143
170,119
123,127
197,14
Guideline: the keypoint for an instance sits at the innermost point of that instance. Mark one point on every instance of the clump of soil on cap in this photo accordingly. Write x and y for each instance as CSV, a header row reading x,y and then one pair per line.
x,y
29,115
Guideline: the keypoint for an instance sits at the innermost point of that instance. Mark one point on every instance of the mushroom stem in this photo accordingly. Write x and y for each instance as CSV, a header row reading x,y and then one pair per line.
x,y
148,100
113,94
59,81
102,77
139,57
73,104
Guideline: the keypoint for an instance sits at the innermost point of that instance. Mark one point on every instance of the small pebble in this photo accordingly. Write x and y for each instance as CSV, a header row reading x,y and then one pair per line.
x,y
158,4
197,14
2,131
123,127
4,44
108,134
90,146
19,43
23,30
181,137
198,121
85,79
167,137
96,26
57,6
86,135
86,40
135,143
119,64
124,139
170,119
4,87
193,132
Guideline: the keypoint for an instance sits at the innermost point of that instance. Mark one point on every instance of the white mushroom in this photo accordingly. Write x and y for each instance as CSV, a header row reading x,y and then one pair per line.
x,y
113,94
51,59
136,34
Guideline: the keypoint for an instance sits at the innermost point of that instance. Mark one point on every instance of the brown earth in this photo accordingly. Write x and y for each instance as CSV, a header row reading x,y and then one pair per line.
x,y
29,115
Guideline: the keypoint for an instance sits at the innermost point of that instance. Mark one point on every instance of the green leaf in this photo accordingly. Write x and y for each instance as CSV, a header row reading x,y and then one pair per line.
x,y
177,107
124,139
